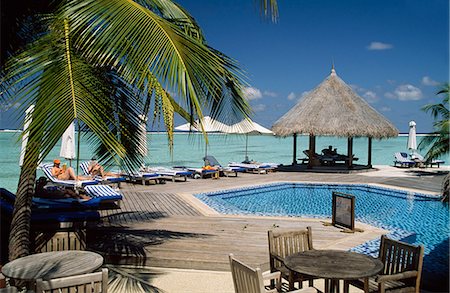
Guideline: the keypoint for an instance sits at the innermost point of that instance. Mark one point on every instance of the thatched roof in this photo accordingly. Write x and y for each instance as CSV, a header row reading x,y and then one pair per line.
x,y
333,108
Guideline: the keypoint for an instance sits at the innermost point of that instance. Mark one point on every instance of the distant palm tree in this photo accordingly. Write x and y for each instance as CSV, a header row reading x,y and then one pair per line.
x,y
102,63
438,141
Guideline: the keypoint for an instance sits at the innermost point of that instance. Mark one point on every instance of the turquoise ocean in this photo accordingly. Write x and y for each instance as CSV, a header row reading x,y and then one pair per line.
x,y
189,149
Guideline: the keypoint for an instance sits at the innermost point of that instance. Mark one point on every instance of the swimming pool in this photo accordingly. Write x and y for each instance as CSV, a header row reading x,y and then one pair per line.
x,y
412,217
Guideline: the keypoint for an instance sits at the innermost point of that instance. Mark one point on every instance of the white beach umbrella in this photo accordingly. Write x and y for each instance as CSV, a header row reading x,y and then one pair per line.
x,y
209,125
142,133
27,123
248,127
412,140
68,143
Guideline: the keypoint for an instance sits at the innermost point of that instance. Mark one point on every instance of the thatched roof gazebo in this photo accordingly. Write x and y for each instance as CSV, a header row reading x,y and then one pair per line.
x,y
334,109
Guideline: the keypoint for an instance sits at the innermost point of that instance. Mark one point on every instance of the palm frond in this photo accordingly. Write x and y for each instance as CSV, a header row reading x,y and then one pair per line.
x,y
182,64
59,86
269,9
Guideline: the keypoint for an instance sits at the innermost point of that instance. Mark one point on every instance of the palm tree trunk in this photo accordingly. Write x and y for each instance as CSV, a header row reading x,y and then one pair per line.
x,y
19,237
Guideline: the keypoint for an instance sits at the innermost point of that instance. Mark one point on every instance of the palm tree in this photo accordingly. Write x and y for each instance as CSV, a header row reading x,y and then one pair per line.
x,y
438,141
102,63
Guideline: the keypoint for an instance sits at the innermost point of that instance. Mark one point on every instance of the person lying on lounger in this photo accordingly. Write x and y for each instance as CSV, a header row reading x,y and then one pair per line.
x,y
55,192
95,169
64,172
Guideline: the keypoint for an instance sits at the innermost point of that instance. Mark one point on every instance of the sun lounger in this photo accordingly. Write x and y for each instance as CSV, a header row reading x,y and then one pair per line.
x,y
143,177
47,169
403,160
260,168
421,160
45,216
225,171
327,159
84,166
40,203
169,173
105,192
199,172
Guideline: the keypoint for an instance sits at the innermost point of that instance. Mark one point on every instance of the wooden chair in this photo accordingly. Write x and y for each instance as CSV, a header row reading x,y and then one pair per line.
x,y
402,268
249,280
92,283
282,244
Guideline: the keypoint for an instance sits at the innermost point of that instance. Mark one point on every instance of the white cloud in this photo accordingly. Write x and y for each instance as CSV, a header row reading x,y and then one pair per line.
x,y
426,80
385,109
370,97
391,81
270,94
304,94
291,96
252,93
259,107
405,92
379,46
390,95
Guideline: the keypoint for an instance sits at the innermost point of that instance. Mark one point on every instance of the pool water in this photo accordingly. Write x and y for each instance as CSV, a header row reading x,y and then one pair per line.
x,y
411,217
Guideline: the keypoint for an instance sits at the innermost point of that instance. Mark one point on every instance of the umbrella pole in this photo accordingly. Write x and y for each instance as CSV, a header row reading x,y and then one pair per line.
x,y
78,147
294,159
246,145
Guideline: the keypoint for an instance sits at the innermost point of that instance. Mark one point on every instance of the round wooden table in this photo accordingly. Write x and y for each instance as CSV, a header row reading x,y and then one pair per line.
x,y
334,265
51,265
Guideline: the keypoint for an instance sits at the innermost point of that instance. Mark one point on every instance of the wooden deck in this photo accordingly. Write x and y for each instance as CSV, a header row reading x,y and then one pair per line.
x,y
163,225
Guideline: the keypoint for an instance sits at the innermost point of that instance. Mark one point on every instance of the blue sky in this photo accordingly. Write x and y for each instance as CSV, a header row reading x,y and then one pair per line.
x,y
394,53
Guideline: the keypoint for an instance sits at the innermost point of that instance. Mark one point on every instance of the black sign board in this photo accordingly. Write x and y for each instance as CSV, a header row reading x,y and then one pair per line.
x,y
343,210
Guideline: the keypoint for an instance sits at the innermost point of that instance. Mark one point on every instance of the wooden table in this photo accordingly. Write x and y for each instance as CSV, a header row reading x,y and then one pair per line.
x,y
50,265
334,265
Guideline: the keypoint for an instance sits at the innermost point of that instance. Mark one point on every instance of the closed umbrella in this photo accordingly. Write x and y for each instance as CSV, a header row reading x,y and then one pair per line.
x,y
248,127
412,140
68,143
27,123
209,125
142,133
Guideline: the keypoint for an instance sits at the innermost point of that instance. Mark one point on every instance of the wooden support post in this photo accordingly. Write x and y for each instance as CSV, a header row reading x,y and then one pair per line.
x,y
350,153
369,153
312,151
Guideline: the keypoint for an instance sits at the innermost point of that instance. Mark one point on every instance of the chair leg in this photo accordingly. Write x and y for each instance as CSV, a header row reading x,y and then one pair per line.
x,y
291,280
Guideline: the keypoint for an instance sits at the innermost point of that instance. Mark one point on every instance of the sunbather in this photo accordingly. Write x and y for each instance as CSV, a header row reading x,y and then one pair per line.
x,y
55,192
95,169
64,172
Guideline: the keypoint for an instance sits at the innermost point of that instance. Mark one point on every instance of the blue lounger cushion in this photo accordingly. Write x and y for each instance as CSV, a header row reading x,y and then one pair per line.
x,y
67,203
39,216
104,192
48,203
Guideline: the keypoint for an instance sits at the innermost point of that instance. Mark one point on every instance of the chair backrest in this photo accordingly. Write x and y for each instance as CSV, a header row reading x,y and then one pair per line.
x,y
211,161
401,157
245,278
93,283
282,244
398,257
84,166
